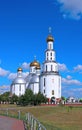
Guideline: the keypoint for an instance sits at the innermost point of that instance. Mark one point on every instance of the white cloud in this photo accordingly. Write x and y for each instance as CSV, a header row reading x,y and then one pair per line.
x,y
67,82
25,74
3,72
62,67
25,65
78,68
12,76
69,77
76,92
69,93
4,88
71,8
77,89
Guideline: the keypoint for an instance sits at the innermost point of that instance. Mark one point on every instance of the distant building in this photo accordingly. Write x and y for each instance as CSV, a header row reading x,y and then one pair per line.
x,y
47,81
71,100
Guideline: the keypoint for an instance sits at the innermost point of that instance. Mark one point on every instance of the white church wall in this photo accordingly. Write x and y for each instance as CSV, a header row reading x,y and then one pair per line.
x,y
16,89
51,87
23,88
34,87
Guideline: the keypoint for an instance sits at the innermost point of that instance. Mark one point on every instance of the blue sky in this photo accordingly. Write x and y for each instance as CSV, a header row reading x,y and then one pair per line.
x,y
23,31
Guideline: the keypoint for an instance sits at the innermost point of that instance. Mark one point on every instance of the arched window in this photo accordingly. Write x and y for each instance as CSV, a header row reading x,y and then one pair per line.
x,y
20,88
46,67
51,58
51,53
47,55
51,67
44,82
52,92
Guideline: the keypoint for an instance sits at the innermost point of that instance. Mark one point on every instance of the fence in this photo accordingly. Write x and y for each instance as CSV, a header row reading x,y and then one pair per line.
x,y
30,122
33,123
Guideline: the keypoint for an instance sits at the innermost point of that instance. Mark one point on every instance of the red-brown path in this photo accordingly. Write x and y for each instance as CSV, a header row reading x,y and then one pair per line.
x,y
7,123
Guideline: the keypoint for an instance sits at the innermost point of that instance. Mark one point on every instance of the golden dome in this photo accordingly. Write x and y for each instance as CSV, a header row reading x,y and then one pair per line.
x,y
19,69
35,63
50,38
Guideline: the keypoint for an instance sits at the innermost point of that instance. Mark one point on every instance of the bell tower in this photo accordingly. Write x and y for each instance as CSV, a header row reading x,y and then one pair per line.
x,y
50,80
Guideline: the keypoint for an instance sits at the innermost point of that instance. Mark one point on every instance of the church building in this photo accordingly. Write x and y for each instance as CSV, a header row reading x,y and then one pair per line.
x,y
47,81
50,80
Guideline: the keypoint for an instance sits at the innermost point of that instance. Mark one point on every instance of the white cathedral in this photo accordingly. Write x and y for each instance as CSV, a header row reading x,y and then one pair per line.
x,y
47,81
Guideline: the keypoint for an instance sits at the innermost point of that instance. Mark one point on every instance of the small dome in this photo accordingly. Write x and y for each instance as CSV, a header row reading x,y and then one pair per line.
x,y
35,63
35,79
50,38
19,69
28,78
19,80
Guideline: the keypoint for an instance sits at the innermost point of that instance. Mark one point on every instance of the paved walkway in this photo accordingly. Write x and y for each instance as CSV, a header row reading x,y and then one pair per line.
x,y
7,123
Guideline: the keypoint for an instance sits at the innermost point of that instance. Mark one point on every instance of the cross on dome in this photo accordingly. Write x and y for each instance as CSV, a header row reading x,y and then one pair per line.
x,y
34,57
50,37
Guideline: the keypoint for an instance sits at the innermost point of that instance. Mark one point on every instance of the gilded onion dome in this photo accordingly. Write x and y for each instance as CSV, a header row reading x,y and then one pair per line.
x,y
50,38
36,64
19,69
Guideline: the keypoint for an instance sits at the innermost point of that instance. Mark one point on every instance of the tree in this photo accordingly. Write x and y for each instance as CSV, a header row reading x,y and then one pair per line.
x,y
14,99
40,98
27,98
0,98
21,100
5,96
63,98
31,99
35,102
80,100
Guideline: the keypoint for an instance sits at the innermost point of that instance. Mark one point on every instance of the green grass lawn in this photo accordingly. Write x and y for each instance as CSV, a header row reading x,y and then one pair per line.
x,y
54,117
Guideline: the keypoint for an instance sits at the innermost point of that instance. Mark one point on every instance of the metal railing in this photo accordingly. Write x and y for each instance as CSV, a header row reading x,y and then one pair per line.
x,y
33,123
30,122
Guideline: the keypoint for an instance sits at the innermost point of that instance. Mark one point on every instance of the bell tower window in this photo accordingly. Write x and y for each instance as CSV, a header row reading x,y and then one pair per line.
x,y
51,53
51,58
46,67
